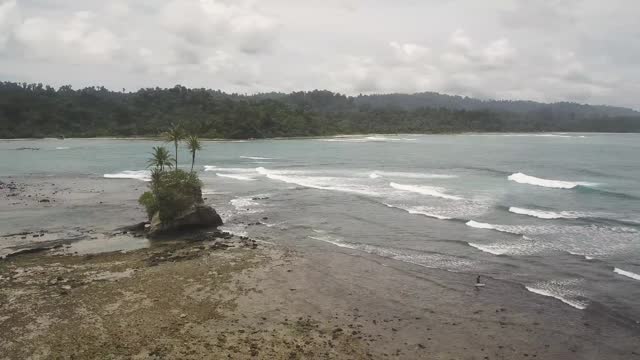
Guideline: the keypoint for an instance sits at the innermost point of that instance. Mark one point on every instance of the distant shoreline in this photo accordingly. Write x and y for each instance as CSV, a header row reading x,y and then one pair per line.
x,y
159,138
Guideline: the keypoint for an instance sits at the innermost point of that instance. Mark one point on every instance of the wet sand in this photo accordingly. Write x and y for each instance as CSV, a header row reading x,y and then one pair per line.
x,y
202,299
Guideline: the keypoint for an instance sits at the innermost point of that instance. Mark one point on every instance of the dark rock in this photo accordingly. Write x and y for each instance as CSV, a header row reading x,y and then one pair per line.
x,y
199,216
45,200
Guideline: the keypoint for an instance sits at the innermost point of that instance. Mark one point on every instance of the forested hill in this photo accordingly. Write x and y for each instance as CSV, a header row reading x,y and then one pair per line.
x,y
34,110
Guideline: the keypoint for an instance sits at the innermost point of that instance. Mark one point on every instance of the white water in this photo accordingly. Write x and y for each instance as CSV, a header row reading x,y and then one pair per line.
x,y
144,175
417,210
256,158
236,177
425,190
321,182
580,305
480,225
541,214
495,250
556,184
628,274
409,175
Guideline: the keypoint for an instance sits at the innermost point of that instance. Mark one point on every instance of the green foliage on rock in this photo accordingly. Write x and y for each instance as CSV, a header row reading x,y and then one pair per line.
x,y
178,191
148,200
173,191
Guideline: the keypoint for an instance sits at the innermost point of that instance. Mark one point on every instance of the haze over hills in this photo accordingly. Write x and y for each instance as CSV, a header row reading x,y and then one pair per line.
x,y
35,110
454,102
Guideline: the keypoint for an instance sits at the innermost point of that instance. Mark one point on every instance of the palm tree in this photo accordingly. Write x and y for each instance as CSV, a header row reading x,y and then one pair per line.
x,y
174,135
160,158
193,144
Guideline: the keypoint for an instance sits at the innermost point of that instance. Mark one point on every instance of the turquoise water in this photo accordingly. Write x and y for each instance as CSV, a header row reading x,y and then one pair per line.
x,y
557,213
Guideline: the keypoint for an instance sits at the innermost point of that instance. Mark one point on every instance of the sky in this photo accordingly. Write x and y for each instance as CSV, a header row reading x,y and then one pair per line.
x,y
585,51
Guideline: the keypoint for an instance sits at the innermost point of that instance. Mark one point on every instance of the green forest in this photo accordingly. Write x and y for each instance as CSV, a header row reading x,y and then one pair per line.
x,y
36,110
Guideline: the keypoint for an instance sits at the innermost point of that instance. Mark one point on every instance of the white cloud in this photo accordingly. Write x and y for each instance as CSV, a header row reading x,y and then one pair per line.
x,y
408,52
76,38
8,15
211,22
550,51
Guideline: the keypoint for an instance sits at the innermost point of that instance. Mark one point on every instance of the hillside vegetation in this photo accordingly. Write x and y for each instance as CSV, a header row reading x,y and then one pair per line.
x,y
34,110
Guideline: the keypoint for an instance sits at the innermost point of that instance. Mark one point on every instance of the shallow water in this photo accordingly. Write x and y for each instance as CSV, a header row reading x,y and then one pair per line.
x,y
557,213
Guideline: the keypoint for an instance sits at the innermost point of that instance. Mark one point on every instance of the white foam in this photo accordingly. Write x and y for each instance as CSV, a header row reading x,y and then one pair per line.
x,y
236,177
560,290
409,175
419,210
586,257
320,182
541,214
144,175
491,249
425,190
232,170
63,148
245,205
556,184
501,228
335,241
256,158
449,263
480,225
628,274
235,229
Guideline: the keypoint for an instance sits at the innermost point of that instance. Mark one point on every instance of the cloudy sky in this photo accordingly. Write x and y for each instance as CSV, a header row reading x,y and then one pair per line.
x,y
548,50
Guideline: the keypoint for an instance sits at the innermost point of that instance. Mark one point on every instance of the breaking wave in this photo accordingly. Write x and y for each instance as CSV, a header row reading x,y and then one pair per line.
x,y
480,225
223,169
144,175
320,182
555,184
628,274
429,260
255,158
425,190
541,214
558,290
409,175
491,249
236,177
419,210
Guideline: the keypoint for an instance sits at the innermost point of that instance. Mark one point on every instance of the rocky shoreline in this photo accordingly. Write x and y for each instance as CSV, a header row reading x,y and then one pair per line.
x,y
86,292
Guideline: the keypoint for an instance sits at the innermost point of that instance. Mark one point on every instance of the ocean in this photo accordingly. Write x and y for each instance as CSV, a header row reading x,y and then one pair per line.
x,y
557,213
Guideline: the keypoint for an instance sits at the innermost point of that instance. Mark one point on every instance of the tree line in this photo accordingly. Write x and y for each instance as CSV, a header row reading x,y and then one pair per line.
x,y
35,110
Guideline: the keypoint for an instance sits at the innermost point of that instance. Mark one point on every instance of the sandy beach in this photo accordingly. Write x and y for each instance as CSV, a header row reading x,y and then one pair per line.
x,y
215,296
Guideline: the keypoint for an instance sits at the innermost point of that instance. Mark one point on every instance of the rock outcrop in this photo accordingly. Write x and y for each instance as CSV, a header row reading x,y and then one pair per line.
x,y
198,216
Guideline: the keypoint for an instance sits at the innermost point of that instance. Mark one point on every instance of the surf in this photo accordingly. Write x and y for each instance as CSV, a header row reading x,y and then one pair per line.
x,y
236,177
143,175
628,274
255,158
425,190
580,305
542,214
419,211
522,178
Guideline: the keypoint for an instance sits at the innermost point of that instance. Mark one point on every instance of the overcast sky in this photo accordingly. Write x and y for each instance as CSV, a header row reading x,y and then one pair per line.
x,y
547,50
